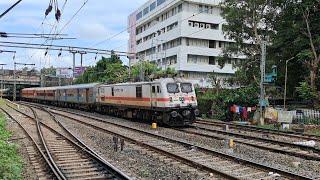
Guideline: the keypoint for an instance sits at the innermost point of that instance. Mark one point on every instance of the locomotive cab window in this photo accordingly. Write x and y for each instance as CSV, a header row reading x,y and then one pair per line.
x,y
112,91
139,91
186,87
158,89
173,88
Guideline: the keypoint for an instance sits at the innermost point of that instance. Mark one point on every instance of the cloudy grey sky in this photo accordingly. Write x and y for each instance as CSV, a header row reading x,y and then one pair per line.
x,y
98,20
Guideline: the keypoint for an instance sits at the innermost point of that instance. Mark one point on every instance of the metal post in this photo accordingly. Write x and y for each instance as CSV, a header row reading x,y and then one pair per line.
x,y
82,53
74,63
14,83
263,71
285,84
2,76
285,87
14,79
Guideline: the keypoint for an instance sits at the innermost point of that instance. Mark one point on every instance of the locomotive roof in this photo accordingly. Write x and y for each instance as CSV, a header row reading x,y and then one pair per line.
x,y
78,86
162,80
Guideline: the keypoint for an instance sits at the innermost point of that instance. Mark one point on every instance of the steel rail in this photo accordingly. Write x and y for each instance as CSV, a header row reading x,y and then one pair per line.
x,y
261,139
48,162
111,169
205,149
262,130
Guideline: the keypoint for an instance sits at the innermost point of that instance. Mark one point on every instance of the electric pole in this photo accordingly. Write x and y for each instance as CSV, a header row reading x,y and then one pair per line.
x,y
263,74
14,78
2,76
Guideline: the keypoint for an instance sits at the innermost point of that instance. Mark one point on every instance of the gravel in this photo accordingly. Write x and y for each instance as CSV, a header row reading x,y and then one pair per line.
x,y
22,142
132,160
281,161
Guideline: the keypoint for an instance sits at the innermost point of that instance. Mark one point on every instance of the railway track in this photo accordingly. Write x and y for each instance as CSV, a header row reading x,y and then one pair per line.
x,y
309,153
66,155
291,134
201,157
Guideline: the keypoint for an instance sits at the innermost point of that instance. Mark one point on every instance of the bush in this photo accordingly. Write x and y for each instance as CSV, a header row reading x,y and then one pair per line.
x,y
10,162
216,104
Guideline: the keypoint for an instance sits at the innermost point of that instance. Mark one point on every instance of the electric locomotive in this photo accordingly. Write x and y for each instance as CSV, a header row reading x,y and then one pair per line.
x,y
166,101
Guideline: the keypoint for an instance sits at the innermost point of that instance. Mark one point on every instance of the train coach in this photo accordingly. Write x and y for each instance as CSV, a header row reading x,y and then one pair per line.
x,y
166,101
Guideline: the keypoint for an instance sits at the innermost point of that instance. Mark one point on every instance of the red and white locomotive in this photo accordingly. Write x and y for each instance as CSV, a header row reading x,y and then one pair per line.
x,y
167,101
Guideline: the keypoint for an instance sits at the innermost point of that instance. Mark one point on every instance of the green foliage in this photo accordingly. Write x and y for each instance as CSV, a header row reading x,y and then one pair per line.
x,y
107,70
150,71
219,103
10,162
247,22
49,71
305,91
293,41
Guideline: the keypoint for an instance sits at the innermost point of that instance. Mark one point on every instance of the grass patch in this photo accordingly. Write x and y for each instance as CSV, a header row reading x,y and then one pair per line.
x,y
315,132
10,162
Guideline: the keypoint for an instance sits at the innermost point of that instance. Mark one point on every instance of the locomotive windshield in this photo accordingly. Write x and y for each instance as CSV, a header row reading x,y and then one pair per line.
x,y
186,87
173,88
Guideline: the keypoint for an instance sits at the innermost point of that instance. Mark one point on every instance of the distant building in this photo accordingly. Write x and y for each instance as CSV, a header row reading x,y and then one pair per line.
x,y
182,34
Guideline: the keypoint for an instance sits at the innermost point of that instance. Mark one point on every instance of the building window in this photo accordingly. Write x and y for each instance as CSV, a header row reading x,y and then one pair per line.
x,y
180,8
139,15
200,8
146,10
159,2
212,44
153,6
139,91
212,60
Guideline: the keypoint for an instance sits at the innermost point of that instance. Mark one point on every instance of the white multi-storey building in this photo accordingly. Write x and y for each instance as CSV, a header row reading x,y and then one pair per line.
x,y
183,34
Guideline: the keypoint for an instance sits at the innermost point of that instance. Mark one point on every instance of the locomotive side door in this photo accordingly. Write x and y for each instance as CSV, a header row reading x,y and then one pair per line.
x,y
154,96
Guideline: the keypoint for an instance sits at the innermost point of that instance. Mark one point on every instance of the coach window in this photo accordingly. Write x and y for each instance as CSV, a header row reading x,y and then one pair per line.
x,y
153,89
158,89
112,91
139,92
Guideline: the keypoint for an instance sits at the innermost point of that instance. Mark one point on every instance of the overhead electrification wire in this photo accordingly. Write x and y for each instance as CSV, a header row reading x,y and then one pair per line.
x,y
124,30
84,3
58,49
76,48
10,8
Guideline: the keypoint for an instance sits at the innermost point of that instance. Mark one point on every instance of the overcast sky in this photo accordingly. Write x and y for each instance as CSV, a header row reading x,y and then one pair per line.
x,y
98,20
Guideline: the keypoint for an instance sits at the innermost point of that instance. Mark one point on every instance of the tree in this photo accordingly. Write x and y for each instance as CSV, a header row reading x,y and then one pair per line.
x,y
49,71
107,70
298,36
248,23
150,71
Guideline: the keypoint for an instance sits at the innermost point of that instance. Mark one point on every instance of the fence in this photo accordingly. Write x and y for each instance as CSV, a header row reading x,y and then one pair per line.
x,y
306,116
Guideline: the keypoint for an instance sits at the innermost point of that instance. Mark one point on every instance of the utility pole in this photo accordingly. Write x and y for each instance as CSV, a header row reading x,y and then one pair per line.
x,y
14,78
74,62
263,74
2,76
82,53
285,83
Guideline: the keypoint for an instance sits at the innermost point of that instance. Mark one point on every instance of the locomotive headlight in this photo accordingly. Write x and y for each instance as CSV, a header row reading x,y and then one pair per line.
x,y
197,112
174,114
192,98
171,100
186,113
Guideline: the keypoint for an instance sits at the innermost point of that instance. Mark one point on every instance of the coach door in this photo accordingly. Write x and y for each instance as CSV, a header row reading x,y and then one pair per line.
x,y
87,95
154,96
